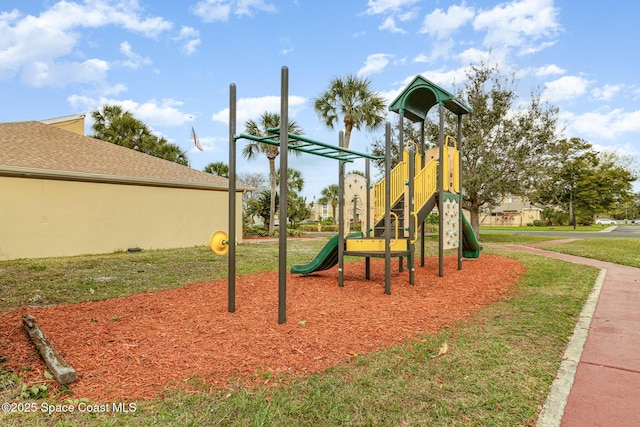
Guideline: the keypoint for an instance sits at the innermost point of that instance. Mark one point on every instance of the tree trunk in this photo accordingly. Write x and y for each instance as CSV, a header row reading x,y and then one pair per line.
x,y
64,373
348,127
475,219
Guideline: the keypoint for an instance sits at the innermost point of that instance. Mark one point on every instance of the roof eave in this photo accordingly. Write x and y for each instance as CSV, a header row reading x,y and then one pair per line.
x,y
24,172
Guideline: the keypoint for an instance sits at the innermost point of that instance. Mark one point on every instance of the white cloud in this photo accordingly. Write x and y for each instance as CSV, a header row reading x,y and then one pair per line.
x,y
97,13
394,11
421,58
534,48
244,7
220,10
40,74
447,79
476,56
376,7
390,24
441,50
252,108
375,63
608,125
190,38
549,70
191,46
165,113
606,93
442,24
33,46
519,23
134,60
564,89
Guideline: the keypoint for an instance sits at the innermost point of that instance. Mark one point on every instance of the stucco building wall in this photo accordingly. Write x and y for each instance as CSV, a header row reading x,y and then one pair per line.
x,y
47,218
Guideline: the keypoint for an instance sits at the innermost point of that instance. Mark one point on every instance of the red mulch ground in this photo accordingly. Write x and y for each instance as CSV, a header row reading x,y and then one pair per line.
x,y
136,347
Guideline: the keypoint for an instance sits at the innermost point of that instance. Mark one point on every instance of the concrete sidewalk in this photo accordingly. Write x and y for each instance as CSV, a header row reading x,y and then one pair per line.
x,y
598,383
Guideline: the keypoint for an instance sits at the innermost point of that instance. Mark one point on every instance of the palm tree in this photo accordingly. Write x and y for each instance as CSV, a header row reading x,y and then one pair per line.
x,y
352,99
329,195
120,127
113,124
217,168
295,181
267,121
160,147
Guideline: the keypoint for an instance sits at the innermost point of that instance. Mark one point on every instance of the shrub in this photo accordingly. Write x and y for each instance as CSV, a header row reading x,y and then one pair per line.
x,y
255,231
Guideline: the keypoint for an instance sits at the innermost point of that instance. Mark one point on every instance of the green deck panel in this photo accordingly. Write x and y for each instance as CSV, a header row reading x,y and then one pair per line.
x,y
327,258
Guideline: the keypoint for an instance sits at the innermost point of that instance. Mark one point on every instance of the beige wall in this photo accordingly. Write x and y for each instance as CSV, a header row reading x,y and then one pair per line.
x,y
74,125
45,218
515,219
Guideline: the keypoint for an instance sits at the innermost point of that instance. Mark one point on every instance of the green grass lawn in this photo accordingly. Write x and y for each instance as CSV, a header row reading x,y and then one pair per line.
x,y
619,251
497,371
580,228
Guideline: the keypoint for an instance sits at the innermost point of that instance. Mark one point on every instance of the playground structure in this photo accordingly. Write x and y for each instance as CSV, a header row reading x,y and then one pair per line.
x,y
396,207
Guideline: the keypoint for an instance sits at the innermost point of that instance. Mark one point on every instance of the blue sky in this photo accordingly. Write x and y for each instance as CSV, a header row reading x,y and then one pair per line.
x,y
171,63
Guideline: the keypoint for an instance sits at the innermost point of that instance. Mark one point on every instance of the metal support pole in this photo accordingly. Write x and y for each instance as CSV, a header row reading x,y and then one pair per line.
x,y
387,210
401,132
340,215
441,179
412,229
459,137
284,146
424,161
401,147
231,269
367,260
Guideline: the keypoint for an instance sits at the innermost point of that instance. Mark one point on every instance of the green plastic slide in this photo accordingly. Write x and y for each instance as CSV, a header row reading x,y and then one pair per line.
x,y
327,258
471,247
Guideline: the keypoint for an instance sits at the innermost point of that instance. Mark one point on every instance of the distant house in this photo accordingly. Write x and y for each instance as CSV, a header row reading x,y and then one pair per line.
x,y
63,193
513,211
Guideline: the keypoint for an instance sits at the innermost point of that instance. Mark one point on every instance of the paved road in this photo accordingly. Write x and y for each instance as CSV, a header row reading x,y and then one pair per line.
x,y
624,231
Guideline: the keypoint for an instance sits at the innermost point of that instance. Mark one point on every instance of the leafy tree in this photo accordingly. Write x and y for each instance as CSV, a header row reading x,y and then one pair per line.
x,y
160,147
353,100
261,206
253,148
329,195
295,181
554,216
504,149
297,209
113,124
259,182
583,182
217,168
610,184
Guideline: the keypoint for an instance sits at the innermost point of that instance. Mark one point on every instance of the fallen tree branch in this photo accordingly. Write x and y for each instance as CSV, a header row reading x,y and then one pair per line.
x,y
64,373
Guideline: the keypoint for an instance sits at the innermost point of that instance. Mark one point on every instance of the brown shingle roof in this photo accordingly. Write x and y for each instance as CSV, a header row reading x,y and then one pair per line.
x,y
34,148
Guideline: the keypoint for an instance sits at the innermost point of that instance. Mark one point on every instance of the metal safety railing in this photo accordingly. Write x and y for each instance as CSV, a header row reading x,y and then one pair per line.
x,y
425,180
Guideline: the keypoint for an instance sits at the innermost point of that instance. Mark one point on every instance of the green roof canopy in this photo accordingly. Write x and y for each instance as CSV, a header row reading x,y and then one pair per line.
x,y
421,94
